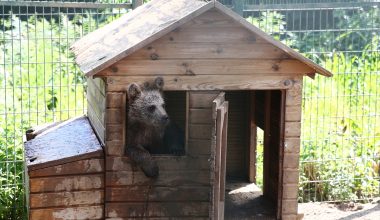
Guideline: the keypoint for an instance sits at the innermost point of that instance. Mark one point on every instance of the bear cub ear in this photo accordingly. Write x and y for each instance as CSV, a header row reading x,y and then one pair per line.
x,y
159,82
134,91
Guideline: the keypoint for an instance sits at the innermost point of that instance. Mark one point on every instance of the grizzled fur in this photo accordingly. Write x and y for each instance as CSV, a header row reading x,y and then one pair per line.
x,y
147,120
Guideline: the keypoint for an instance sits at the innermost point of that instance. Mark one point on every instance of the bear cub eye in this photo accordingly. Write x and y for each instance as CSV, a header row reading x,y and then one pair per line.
x,y
151,108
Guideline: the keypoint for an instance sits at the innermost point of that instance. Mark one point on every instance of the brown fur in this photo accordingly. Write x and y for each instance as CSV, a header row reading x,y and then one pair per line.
x,y
147,120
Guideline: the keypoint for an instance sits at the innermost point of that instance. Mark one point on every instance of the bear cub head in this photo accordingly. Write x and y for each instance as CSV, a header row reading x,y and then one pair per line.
x,y
146,104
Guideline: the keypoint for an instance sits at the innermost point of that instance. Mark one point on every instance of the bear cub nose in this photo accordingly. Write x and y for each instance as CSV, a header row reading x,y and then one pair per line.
x,y
165,118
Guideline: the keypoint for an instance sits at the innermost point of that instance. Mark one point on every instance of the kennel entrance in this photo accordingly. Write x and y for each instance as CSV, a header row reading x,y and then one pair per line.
x,y
248,112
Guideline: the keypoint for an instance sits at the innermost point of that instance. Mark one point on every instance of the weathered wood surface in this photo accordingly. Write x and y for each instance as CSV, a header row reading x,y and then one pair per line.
x,y
192,67
269,39
132,31
157,194
69,141
96,105
163,50
166,178
65,199
167,163
66,183
170,29
33,132
71,213
157,209
76,167
208,82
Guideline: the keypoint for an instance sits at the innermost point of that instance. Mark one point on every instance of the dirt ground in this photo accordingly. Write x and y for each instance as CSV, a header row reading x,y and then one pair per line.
x,y
245,201
348,211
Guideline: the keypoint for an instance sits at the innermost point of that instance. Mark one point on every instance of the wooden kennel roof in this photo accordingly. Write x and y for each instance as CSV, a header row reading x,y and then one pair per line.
x,y
63,142
149,22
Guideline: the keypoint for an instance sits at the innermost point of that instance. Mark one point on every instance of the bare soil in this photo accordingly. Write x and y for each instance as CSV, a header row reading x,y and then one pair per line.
x,y
345,211
245,201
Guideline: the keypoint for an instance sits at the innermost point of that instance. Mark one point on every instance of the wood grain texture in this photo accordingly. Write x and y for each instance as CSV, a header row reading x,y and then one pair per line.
x,y
155,209
167,163
157,194
48,150
192,67
208,82
77,213
200,116
207,50
66,183
114,99
115,148
132,31
198,147
166,178
270,40
66,199
76,167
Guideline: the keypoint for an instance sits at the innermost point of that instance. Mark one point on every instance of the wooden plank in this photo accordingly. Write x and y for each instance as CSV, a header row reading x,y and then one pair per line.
x,y
167,163
199,147
114,99
162,218
114,132
211,18
96,124
100,49
65,199
56,145
200,131
78,213
292,145
252,139
292,129
114,115
191,67
207,82
33,132
115,148
157,194
66,183
165,178
293,113
206,34
202,99
210,50
98,83
200,116
294,93
270,40
77,167
157,209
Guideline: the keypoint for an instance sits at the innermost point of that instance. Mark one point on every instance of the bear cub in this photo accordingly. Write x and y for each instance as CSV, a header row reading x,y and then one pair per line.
x,y
149,128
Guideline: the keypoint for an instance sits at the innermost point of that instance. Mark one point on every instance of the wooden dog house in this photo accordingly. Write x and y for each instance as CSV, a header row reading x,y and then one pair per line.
x,y
223,78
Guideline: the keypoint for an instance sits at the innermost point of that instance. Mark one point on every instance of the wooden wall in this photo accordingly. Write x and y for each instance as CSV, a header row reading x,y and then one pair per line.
x,y
292,131
182,189
210,52
73,190
96,106
237,135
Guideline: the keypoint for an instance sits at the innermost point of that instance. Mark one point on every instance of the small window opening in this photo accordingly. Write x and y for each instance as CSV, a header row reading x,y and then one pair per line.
x,y
174,140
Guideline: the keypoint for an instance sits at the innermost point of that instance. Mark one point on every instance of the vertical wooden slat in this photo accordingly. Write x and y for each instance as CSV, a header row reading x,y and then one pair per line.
x,y
266,167
253,139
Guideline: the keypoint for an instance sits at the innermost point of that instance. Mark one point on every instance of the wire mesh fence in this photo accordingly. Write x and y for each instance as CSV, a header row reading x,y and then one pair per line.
x,y
340,152
39,81
340,156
